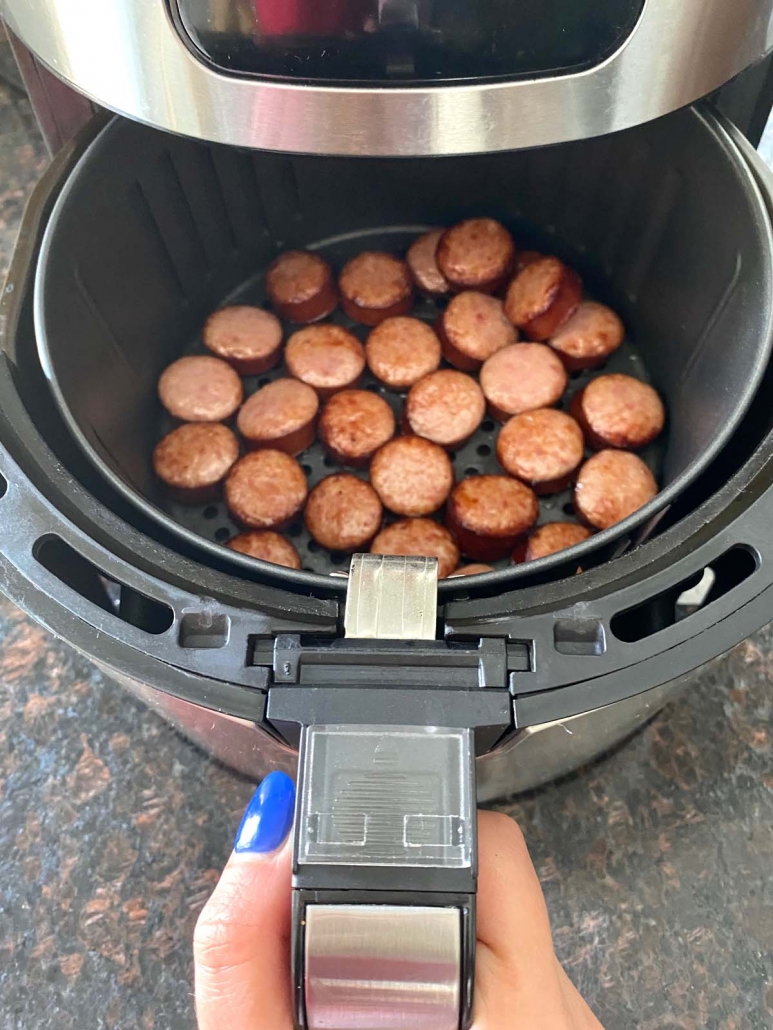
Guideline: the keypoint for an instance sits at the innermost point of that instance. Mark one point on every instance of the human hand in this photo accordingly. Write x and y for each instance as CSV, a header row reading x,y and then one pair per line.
x,y
242,939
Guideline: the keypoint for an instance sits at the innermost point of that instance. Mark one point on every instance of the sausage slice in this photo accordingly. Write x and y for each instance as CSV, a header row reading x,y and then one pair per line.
x,y
268,546
475,569
476,254
542,296
354,424
487,514
549,539
265,489
412,476
420,537
280,415
194,459
200,389
588,338
619,411
248,338
374,286
611,486
543,448
401,350
522,377
343,512
445,407
301,287
422,264
472,328
326,357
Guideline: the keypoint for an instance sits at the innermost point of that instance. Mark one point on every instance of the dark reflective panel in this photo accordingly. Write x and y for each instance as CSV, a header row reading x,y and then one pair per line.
x,y
400,41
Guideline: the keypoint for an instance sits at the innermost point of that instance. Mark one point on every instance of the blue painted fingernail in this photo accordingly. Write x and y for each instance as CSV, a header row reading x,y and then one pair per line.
x,y
269,816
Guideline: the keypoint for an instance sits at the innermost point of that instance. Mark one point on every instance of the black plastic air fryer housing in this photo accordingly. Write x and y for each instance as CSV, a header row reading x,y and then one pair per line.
x,y
160,616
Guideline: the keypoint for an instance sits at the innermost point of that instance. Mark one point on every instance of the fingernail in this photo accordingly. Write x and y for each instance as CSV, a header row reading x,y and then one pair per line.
x,y
268,817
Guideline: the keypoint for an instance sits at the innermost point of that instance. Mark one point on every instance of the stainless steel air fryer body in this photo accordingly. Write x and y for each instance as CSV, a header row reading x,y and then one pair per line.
x,y
390,696
415,78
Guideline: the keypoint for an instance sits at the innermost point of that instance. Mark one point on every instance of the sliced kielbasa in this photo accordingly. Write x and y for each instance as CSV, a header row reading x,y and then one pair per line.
x,y
402,350
542,296
268,546
422,264
476,254
194,459
445,407
301,287
374,286
327,357
354,424
619,411
412,476
422,538
265,489
487,514
550,539
543,448
248,338
343,512
472,328
588,338
200,389
611,486
280,415
522,377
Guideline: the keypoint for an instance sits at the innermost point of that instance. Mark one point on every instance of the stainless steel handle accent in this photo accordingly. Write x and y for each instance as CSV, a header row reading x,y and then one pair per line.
x,y
391,598
382,967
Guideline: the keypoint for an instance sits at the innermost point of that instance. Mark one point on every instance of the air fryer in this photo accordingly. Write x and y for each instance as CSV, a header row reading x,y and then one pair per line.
x,y
405,697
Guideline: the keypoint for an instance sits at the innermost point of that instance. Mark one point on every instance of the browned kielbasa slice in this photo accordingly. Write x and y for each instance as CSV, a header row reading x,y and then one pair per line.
x,y
301,287
487,514
526,257
401,351
194,459
476,569
472,328
611,486
265,489
343,512
543,448
248,338
422,538
412,476
268,546
476,254
445,407
354,424
523,377
200,389
588,338
422,264
542,296
619,411
374,286
327,357
281,416
550,539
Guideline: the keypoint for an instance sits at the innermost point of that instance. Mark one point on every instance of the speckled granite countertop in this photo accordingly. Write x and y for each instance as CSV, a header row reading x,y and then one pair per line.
x,y
656,861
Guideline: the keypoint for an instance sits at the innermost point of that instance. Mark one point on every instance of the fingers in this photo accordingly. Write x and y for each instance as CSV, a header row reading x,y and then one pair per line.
x,y
242,939
518,978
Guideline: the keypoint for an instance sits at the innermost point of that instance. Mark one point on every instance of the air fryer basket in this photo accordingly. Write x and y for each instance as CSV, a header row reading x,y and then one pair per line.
x,y
152,232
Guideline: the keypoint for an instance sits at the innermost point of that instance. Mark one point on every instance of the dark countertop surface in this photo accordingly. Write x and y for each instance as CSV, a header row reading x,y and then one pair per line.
x,y
656,861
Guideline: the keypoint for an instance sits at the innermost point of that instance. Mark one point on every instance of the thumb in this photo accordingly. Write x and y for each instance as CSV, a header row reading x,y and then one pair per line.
x,y
241,945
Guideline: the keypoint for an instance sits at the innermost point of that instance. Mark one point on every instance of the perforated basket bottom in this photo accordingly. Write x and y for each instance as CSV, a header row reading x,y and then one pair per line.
x,y
476,456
